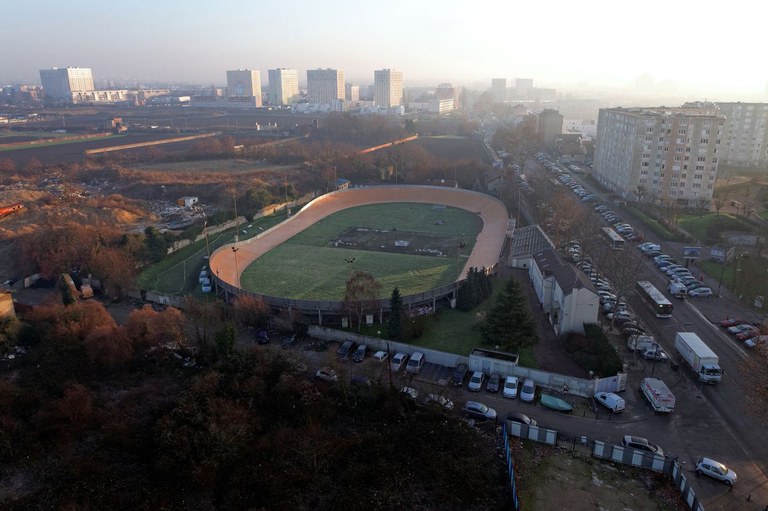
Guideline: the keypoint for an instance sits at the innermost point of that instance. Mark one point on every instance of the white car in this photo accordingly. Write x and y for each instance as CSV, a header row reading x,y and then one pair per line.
x,y
410,392
380,356
476,382
326,374
701,291
528,392
398,361
716,470
510,387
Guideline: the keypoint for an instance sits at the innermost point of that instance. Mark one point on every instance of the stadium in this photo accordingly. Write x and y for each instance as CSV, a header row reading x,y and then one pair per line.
x,y
235,267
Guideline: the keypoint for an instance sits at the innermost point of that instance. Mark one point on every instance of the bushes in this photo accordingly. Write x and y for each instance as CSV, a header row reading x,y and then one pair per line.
x,y
593,351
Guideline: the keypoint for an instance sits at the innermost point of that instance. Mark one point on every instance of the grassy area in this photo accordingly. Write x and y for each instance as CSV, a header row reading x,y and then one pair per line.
x,y
652,224
35,145
324,267
178,273
716,270
708,228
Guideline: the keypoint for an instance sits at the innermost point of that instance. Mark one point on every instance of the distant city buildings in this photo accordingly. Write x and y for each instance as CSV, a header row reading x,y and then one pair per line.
x,y
245,86
661,155
523,88
283,86
352,92
325,86
499,89
744,142
387,88
60,84
550,124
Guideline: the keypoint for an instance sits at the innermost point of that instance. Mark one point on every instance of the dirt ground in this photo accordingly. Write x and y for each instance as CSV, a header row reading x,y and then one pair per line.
x,y
544,472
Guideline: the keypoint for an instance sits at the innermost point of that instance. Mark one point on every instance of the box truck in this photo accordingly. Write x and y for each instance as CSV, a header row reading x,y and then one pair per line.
x,y
699,356
658,395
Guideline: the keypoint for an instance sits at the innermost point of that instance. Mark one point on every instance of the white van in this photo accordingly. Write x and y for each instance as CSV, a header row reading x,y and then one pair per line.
x,y
611,401
415,362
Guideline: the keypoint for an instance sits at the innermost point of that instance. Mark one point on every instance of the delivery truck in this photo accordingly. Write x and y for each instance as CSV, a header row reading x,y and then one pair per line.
x,y
659,396
695,352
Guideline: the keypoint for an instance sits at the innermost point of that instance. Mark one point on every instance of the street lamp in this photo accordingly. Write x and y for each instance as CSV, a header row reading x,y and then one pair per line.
x,y
459,245
237,272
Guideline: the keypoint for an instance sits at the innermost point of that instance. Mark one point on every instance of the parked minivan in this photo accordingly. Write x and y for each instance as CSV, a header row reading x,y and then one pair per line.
x,y
415,363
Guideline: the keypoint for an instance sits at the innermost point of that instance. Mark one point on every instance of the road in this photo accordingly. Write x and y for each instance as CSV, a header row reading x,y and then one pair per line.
x,y
708,420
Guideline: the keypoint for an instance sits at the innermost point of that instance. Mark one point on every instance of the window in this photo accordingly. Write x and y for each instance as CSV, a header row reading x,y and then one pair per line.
x,y
697,185
678,149
649,130
701,158
683,176
682,131
704,141
699,167
698,176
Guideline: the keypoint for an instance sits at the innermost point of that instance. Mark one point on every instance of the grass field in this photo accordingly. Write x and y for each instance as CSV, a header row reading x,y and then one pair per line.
x,y
34,145
309,266
709,227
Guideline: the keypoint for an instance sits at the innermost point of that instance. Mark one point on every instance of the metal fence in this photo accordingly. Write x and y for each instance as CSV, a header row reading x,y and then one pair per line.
x,y
511,470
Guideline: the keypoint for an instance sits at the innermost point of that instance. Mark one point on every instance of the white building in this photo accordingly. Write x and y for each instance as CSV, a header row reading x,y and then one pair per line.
x,y
745,136
527,241
567,297
324,86
60,83
587,128
245,83
283,86
668,154
387,88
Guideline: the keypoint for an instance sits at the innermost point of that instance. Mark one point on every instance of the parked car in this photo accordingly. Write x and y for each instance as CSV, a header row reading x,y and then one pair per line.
x,y
478,410
410,392
415,363
748,334
733,330
716,470
398,361
641,444
360,353
656,354
528,392
457,379
755,341
288,341
701,291
732,322
262,336
510,387
326,374
476,381
521,418
613,402
380,356
493,382
345,350
440,400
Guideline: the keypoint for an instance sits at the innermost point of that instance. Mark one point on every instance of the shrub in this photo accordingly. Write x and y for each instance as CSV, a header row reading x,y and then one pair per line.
x,y
593,351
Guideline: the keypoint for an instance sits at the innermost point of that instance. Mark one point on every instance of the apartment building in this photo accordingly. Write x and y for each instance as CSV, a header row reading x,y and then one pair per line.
x,y
325,86
499,89
662,155
283,86
245,84
745,135
59,84
387,88
550,123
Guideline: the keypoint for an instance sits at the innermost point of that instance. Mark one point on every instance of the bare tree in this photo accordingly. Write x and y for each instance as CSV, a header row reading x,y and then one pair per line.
x,y
754,382
567,213
623,268
360,296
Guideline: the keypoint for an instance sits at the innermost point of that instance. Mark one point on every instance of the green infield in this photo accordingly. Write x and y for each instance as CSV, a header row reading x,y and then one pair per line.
x,y
409,245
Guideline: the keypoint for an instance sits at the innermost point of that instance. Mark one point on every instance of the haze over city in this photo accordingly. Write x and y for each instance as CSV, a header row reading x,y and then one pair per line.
x,y
666,46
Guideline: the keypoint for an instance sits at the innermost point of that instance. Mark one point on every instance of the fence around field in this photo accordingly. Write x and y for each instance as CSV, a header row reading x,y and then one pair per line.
x,y
607,451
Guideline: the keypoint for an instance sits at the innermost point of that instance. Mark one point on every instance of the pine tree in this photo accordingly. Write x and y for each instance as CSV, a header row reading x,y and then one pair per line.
x,y
395,321
509,324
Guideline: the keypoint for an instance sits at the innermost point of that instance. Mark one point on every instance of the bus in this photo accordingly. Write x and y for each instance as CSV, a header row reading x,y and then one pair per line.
x,y
654,298
613,239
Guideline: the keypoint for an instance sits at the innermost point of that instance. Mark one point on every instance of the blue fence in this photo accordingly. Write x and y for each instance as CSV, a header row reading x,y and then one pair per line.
x,y
510,469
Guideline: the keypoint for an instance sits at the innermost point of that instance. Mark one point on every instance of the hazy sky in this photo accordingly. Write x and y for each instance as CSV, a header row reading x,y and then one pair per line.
x,y
714,49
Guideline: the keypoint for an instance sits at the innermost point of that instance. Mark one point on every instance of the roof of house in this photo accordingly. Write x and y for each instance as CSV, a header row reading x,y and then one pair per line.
x,y
567,278
529,240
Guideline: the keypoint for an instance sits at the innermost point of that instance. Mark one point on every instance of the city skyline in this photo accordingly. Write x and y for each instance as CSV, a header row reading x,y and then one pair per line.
x,y
561,45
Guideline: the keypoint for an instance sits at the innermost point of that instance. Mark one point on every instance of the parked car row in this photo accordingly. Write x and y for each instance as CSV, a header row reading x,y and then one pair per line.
x,y
617,223
748,332
681,281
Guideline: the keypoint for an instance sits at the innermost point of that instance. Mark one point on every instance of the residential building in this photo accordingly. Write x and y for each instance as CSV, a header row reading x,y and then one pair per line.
x,y
566,296
325,86
523,87
387,88
245,85
60,83
283,86
352,92
663,155
499,89
550,125
527,241
744,142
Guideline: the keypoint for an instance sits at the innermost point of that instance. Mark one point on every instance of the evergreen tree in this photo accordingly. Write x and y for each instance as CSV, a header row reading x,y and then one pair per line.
x,y
395,321
225,339
509,324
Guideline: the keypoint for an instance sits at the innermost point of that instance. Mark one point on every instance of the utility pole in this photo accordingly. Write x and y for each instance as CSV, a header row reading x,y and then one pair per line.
x,y
237,227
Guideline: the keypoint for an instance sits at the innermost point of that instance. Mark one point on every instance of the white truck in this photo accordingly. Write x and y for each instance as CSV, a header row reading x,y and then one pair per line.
x,y
641,342
658,395
699,356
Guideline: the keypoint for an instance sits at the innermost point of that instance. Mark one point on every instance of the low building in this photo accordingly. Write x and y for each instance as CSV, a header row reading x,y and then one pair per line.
x,y
187,201
527,241
567,297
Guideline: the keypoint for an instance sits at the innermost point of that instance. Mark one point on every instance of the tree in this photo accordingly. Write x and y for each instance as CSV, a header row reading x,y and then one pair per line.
x,y
509,324
360,295
225,339
395,321
155,244
250,311
754,382
622,268
474,290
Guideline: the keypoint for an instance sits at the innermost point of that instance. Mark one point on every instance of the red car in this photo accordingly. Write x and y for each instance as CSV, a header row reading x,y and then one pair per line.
x,y
748,334
732,322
